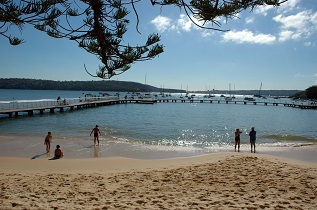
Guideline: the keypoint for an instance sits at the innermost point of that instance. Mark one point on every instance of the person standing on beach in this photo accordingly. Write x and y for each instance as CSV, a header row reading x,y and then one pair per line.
x,y
252,135
96,132
48,141
237,139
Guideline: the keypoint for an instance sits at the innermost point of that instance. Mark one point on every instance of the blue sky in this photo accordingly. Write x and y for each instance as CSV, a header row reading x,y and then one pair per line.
x,y
273,46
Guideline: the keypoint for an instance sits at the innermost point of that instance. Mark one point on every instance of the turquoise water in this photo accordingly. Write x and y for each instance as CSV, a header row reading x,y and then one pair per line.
x,y
204,126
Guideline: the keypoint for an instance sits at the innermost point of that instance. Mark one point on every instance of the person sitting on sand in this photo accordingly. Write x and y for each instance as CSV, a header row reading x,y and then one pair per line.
x,y
47,141
237,139
58,152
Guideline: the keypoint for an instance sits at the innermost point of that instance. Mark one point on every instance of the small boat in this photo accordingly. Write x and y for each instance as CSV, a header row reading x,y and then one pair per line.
x,y
147,95
146,102
103,94
249,99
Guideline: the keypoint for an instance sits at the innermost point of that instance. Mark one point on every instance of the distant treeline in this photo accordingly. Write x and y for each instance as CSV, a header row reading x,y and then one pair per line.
x,y
118,86
309,93
104,85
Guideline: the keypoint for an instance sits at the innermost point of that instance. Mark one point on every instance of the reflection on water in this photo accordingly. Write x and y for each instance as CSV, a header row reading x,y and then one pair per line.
x,y
96,151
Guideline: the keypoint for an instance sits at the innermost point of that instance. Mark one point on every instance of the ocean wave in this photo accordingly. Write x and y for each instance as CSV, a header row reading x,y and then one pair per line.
x,y
290,138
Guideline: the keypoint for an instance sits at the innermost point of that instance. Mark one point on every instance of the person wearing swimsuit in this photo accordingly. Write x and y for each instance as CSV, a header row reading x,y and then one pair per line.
x,y
47,141
237,139
96,132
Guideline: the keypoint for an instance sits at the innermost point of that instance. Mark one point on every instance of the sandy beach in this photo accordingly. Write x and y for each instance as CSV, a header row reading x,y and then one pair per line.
x,y
214,181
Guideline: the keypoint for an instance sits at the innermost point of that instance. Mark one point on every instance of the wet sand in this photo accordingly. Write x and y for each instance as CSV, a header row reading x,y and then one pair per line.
x,y
33,147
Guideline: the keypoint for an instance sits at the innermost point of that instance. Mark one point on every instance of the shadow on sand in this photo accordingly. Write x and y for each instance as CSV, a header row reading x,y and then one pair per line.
x,y
54,158
36,156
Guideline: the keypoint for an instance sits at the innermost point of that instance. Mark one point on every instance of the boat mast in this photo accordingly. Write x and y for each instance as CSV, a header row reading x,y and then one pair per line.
x,y
260,89
230,89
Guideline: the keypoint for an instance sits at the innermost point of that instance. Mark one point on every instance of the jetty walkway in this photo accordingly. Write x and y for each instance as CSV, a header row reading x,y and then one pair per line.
x,y
274,103
30,107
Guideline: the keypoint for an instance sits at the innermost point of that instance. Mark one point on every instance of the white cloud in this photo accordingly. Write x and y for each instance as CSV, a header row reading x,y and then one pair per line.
x,y
285,7
307,44
297,21
162,23
314,19
285,35
249,20
263,9
297,26
289,5
310,44
184,23
247,36
207,33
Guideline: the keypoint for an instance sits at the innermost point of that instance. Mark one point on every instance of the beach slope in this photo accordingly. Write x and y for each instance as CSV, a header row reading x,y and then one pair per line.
x,y
215,181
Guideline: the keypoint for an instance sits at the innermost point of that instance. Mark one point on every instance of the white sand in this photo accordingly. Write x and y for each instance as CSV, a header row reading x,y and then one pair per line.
x,y
215,181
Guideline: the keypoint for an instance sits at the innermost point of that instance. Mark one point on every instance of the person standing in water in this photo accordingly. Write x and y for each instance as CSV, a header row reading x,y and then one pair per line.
x,y
96,132
252,135
48,141
237,139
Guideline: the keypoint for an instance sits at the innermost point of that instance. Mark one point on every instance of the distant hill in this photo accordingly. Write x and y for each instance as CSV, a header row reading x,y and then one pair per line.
x,y
104,85
117,86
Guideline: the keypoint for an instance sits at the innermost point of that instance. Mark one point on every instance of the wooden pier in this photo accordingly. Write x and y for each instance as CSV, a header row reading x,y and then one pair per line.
x,y
30,111
71,106
219,101
94,103
302,106
294,105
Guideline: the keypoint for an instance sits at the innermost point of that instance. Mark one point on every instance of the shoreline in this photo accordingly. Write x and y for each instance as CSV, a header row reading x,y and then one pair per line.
x,y
33,148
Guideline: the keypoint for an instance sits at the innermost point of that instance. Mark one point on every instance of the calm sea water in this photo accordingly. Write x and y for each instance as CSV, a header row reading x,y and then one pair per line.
x,y
204,126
